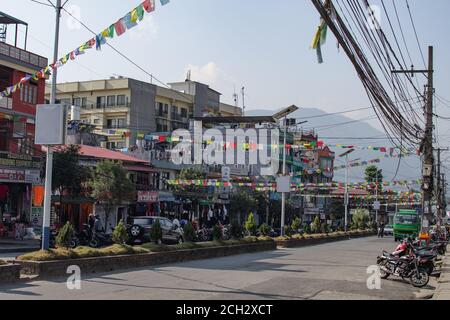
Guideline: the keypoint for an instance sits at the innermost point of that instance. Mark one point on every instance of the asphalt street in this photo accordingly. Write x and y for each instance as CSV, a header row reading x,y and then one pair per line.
x,y
331,271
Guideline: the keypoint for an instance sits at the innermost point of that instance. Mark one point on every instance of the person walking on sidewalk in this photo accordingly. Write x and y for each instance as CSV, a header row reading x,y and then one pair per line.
x,y
381,230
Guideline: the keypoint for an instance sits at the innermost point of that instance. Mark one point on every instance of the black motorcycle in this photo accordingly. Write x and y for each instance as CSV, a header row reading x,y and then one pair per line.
x,y
406,267
100,239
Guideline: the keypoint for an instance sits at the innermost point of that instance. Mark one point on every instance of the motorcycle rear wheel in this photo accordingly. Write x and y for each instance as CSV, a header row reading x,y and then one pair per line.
x,y
383,274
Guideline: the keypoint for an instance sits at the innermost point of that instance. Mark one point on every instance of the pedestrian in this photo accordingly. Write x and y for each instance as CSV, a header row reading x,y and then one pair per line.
x,y
91,222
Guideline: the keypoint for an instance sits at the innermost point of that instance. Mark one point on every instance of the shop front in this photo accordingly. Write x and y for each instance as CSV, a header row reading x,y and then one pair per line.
x,y
158,203
17,177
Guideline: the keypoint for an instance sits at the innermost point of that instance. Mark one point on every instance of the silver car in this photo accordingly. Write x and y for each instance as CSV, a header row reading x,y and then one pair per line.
x,y
139,230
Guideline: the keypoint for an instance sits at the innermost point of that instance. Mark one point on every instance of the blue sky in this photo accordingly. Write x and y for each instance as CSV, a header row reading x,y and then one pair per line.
x,y
260,44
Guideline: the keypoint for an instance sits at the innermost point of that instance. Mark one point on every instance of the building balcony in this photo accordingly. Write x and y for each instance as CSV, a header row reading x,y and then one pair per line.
x,y
22,57
93,108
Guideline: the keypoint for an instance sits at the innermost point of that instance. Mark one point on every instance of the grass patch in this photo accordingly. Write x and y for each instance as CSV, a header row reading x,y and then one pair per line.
x,y
2,263
118,250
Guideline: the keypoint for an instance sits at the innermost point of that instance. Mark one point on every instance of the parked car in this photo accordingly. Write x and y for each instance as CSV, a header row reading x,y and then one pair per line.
x,y
139,230
389,230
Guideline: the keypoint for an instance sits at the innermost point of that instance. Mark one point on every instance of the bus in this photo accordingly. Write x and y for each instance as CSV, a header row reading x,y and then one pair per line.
x,y
407,223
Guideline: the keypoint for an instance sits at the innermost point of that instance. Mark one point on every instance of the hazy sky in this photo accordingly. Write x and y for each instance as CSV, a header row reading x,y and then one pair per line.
x,y
260,44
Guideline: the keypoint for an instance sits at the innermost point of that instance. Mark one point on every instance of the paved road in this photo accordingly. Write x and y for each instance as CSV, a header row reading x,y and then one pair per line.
x,y
330,271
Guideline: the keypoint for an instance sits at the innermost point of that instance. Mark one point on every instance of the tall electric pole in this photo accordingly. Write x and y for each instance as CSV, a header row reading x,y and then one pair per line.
x,y
440,196
426,147
49,165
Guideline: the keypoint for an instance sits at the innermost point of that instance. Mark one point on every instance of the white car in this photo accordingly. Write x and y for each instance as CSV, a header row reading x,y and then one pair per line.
x,y
389,230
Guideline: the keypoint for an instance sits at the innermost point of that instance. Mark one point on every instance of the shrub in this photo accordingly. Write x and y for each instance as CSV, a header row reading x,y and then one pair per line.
x,y
236,231
156,232
315,226
264,229
360,218
120,234
287,230
295,226
217,233
265,238
189,232
306,229
250,224
65,236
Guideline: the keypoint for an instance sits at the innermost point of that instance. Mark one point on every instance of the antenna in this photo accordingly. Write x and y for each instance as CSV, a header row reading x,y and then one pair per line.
x,y
243,101
188,76
235,98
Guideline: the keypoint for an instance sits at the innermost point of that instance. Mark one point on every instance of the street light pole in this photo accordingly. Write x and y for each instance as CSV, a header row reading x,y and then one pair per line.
x,y
376,199
283,194
49,164
346,192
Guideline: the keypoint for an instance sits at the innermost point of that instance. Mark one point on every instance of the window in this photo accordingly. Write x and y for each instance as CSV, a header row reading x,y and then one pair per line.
x,y
121,123
96,121
111,101
77,102
101,101
183,113
121,100
66,101
83,102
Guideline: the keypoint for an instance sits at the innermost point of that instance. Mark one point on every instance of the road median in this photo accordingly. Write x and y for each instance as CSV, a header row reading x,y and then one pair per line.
x,y
44,269
316,239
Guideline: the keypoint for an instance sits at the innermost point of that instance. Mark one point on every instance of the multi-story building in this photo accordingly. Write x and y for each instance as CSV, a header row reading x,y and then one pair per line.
x,y
125,110
19,158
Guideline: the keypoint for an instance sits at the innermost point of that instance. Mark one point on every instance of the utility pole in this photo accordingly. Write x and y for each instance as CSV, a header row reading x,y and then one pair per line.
x,y
49,165
346,196
283,195
426,147
440,196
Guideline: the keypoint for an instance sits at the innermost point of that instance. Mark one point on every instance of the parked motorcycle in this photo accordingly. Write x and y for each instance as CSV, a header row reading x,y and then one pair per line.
x,y
100,239
404,263
52,241
204,234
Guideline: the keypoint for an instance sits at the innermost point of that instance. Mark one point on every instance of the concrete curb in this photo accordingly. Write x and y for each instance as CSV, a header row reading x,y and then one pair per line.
x,y
9,273
107,264
294,243
19,250
443,289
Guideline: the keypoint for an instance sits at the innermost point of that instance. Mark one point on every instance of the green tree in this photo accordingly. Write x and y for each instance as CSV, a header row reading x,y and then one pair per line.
x,y
189,232
65,236
264,229
68,175
315,225
372,175
250,224
360,218
120,234
111,186
241,203
295,226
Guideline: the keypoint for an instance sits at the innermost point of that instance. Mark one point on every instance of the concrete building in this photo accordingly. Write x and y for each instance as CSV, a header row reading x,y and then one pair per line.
x,y
20,160
125,110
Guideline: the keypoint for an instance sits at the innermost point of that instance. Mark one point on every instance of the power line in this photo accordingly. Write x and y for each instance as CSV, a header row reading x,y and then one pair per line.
x,y
415,32
124,56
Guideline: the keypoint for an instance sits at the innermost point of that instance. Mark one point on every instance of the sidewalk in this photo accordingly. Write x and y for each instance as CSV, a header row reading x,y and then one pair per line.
x,y
443,288
11,245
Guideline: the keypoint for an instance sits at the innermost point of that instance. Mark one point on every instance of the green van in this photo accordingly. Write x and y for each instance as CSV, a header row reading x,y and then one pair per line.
x,y
407,223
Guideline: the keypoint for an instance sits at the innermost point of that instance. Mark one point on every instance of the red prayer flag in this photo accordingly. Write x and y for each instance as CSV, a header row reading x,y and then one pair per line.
x,y
148,5
120,28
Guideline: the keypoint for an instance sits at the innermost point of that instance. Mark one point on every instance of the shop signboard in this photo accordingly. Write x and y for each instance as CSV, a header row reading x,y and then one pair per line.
x,y
36,219
166,197
19,161
33,176
147,196
12,175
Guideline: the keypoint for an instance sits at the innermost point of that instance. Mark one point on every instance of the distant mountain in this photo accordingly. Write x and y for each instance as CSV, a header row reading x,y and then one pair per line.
x,y
340,126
